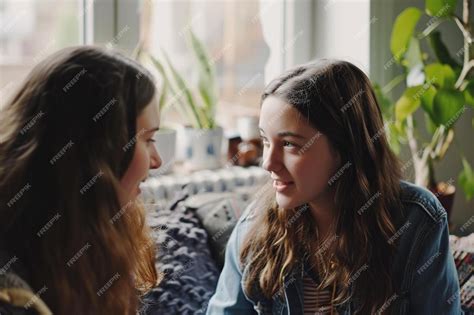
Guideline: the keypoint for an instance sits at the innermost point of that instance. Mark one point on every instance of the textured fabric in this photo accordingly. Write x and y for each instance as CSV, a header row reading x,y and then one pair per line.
x,y
184,259
218,213
315,301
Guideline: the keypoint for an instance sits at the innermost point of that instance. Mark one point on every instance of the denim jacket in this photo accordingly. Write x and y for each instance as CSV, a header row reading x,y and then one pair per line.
x,y
424,273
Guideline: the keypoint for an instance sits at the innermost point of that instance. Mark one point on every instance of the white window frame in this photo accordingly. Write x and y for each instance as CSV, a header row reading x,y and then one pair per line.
x,y
106,21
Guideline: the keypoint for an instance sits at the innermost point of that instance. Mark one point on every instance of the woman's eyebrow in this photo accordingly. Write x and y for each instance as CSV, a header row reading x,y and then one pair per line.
x,y
283,134
153,129
290,134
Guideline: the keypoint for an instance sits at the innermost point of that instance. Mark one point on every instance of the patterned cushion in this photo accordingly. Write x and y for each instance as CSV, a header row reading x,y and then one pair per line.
x,y
218,213
183,258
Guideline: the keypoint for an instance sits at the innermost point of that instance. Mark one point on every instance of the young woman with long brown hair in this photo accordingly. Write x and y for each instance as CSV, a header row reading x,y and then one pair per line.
x,y
340,232
75,143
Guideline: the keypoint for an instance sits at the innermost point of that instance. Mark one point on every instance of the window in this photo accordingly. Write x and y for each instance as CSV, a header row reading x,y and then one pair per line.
x,y
232,32
29,31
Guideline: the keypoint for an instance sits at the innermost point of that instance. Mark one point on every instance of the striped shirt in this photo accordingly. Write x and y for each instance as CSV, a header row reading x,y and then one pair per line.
x,y
316,302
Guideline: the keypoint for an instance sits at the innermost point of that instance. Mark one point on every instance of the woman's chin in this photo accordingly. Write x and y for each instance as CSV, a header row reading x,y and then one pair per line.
x,y
287,202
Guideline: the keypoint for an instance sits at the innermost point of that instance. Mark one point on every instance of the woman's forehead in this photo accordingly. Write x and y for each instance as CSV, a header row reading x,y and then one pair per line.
x,y
277,114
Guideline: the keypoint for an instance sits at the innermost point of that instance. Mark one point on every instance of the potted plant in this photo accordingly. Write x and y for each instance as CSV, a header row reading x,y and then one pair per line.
x,y
438,85
202,137
166,137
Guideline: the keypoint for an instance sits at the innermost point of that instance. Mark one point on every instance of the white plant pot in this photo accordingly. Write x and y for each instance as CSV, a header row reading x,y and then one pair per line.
x,y
201,148
165,143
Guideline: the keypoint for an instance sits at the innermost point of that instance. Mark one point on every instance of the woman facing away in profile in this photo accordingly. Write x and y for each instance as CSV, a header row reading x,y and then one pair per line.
x,y
75,143
340,232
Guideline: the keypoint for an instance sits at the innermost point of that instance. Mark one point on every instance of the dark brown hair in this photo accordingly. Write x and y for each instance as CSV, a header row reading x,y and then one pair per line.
x,y
337,99
66,139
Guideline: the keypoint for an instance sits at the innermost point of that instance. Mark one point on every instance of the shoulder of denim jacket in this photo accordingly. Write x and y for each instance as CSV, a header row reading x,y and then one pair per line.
x,y
422,199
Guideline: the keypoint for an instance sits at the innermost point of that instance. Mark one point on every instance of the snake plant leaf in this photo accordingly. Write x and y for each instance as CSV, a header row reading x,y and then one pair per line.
x,y
440,8
168,86
165,86
447,107
440,75
403,30
441,51
466,179
159,66
137,52
469,93
408,102
202,56
162,104
183,88
206,82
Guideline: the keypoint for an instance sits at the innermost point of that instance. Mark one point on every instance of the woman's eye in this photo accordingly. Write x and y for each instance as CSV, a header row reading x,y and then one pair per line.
x,y
288,144
150,141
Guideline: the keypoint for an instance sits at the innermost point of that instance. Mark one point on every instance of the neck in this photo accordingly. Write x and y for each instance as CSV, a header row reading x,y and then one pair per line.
x,y
323,213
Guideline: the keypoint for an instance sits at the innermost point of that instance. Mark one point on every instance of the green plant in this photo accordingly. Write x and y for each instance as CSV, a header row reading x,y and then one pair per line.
x,y
197,104
139,54
436,84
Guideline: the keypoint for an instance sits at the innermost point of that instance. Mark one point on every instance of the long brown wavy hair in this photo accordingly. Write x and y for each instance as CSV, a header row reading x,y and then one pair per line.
x,y
66,139
337,99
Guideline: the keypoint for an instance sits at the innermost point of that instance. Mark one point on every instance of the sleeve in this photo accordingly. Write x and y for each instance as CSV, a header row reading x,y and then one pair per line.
x,y
9,309
229,297
435,284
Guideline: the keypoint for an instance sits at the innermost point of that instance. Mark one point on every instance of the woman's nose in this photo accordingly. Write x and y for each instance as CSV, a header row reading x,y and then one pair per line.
x,y
271,160
155,160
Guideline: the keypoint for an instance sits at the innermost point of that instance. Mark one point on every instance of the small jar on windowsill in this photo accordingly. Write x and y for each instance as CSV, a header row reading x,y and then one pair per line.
x,y
249,150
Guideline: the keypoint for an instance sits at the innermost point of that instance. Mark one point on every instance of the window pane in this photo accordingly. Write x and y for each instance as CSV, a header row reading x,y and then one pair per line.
x,y
29,31
232,33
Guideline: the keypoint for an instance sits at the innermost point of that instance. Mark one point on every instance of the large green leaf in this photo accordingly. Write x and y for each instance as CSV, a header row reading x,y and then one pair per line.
x,y
440,75
429,124
447,107
384,102
408,102
427,99
441,51
403,30
466,179
413,59
394,137
469,93
440,8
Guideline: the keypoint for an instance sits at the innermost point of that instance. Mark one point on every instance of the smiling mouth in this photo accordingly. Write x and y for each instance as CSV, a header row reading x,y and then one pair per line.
x,y
281,186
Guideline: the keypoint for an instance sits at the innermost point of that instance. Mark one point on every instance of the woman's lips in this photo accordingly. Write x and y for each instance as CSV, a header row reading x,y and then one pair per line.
x,y
281,186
